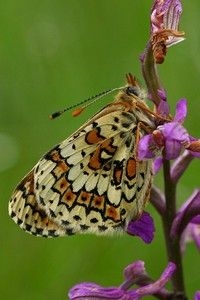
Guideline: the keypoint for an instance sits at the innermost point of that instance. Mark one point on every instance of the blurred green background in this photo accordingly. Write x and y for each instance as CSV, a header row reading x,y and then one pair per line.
x,y
53,54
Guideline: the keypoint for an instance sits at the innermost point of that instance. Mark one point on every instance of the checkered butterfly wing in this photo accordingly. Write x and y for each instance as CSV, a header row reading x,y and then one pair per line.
x,y
92,182
28,214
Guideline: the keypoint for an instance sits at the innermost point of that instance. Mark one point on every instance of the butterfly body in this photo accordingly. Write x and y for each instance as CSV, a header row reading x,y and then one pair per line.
x,y
92,182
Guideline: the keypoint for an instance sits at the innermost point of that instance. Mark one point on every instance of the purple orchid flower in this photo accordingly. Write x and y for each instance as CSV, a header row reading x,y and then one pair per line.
x,y
134,274
186,225
165,17
170,139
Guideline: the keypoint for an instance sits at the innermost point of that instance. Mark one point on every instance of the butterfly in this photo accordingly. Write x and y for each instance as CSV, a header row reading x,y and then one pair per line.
x,y
92,182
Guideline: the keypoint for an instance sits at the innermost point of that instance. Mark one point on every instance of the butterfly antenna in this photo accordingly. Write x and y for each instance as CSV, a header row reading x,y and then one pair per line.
x,y
79,110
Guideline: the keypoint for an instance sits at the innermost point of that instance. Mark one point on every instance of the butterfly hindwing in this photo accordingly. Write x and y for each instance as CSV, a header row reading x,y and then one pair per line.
x,y
25,211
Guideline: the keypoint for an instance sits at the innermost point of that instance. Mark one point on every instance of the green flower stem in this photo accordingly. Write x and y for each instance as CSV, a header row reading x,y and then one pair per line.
x,y
172,244
150,75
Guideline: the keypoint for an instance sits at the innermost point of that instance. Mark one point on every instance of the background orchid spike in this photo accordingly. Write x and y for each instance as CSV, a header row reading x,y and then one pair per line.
x,y
165,16
197,295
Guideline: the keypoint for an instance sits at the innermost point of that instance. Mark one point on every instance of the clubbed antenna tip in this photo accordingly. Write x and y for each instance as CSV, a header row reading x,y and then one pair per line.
x,y
56,114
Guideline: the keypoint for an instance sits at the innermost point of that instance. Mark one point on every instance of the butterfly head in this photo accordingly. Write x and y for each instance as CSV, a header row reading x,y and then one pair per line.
x,y
133,88
131,93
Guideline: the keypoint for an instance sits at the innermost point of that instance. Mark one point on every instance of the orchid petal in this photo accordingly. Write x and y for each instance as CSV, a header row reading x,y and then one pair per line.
x,y
181,111
144,146
87,290
143,227
157,164
134,270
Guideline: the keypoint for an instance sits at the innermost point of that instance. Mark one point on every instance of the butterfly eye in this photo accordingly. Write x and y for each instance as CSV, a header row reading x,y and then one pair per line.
x,y
132,90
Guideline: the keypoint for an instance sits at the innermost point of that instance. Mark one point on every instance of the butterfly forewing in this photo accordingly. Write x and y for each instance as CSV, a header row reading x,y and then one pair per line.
x,y
92,181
